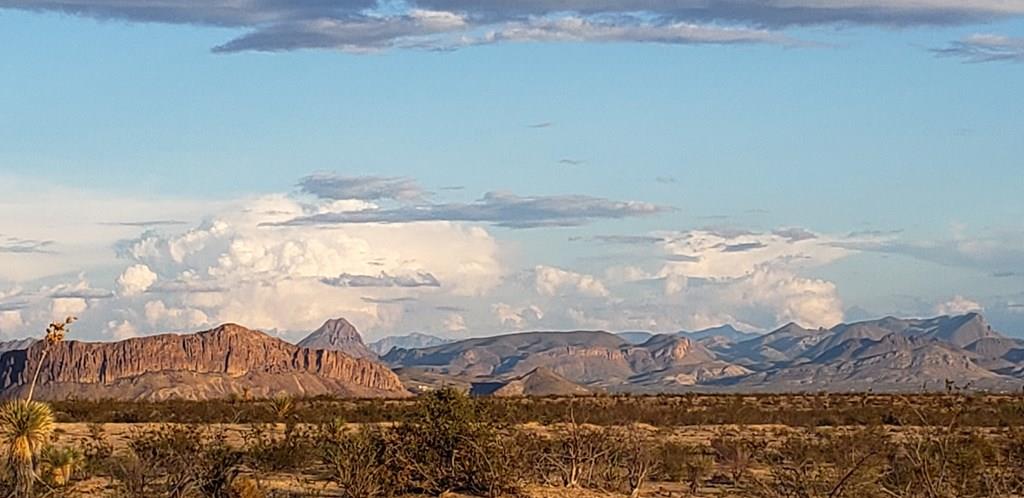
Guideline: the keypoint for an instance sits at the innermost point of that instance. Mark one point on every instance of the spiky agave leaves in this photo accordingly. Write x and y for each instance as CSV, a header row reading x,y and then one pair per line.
x,y
60,463
24,427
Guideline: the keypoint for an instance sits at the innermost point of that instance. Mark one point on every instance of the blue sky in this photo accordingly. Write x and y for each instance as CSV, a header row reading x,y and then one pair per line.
x,y
901,163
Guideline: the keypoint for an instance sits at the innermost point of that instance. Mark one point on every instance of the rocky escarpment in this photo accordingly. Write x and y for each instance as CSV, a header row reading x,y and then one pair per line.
x,y
235,358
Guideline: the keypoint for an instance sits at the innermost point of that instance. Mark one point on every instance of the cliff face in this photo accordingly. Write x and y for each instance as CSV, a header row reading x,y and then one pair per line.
x,y
226,352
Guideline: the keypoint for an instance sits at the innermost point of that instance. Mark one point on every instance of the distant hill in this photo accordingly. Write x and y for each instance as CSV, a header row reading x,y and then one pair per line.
x,y
16,344
225,361
538,382
594,359
638,337
727,332
337,334
414,340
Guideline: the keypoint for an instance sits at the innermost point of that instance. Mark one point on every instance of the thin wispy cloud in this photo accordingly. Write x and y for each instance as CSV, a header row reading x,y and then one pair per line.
x,y
628,239
86,293
421,279
743,247
144,223
571,162
776,13
499,208
16,245
985,48
795,234
543,124
389,300
365,188
451,309
13,305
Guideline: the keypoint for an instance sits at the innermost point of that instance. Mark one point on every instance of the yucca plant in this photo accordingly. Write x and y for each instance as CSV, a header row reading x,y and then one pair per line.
x,y
60,464
282,406
24,427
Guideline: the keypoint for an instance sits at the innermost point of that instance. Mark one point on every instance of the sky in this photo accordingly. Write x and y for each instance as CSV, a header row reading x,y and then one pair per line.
x,y
467,168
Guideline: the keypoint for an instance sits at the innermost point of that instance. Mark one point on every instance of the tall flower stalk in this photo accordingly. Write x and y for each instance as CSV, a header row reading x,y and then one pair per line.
x,y
26,425
55,333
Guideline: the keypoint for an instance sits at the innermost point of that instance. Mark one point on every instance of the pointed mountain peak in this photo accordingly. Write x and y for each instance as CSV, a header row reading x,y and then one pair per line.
x,y
338,334
791,328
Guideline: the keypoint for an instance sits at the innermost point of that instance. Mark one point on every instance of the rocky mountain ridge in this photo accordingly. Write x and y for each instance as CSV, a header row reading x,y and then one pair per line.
x,y
230,356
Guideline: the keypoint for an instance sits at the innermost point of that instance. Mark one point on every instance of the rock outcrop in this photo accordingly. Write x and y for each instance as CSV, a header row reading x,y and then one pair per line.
x,y
233,357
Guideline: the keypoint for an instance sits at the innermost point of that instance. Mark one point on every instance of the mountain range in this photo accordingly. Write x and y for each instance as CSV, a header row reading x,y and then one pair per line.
x,y
889,354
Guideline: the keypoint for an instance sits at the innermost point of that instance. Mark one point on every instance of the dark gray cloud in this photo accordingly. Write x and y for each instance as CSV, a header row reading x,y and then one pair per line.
x,y
682,258
571,162
795,234
83,293
628,239
367,188
873,233
743,247
775,13
421,279
543,124
500,208
185,286
451,309
228,13
985,48
13,305
668,180
144,223
16,245
391,300
1006,274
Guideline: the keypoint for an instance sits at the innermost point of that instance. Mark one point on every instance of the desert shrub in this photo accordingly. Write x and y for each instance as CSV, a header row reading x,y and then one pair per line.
x,y
735,455
825,465
950,464
266,450
449,444
579,455
97,451
178,461
683,463
357,461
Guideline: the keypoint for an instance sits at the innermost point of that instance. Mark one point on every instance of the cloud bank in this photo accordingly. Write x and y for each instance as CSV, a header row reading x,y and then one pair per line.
x,y
361,26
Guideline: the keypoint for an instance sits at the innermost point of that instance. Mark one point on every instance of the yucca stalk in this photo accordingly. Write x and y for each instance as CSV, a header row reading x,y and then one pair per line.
x,y
24,427
55,333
